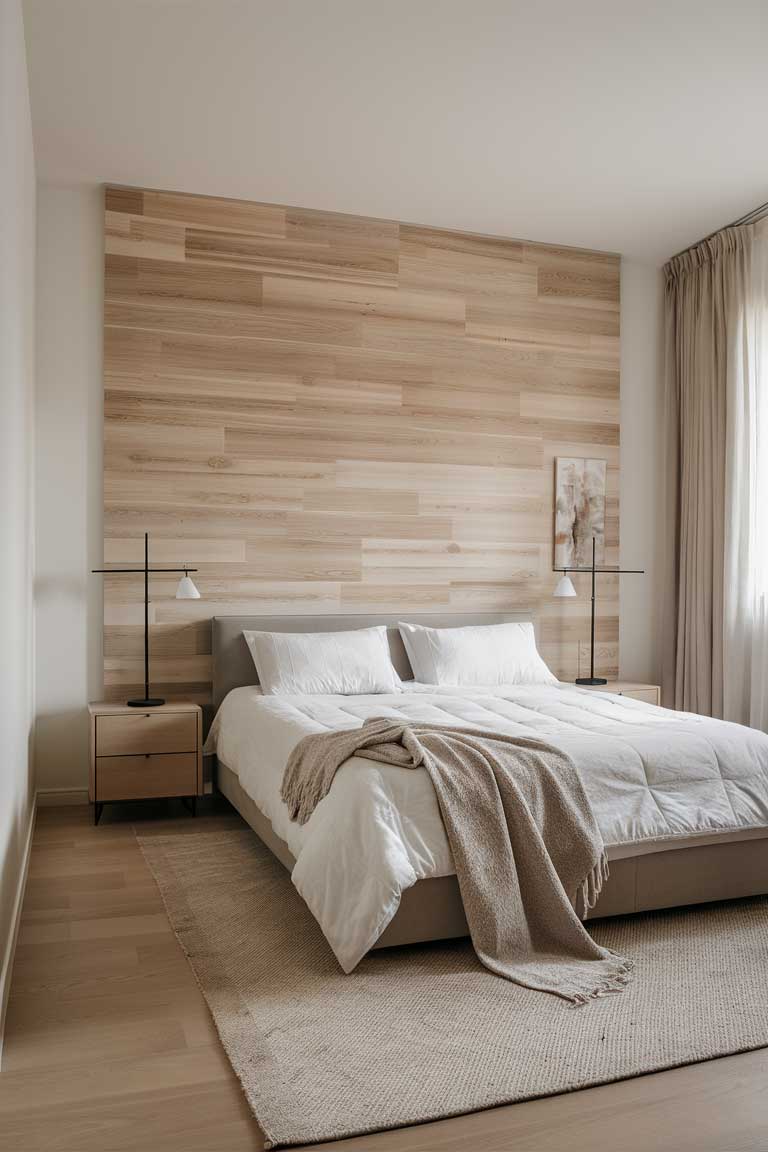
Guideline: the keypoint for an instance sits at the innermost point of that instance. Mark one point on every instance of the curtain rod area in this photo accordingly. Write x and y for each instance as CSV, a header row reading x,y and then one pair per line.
x,y
748,218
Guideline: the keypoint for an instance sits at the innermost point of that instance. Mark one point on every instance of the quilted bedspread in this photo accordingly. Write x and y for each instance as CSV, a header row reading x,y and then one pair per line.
x,y
653,777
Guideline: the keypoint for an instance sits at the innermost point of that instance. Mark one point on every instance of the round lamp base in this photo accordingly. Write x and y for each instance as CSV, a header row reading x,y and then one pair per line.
x,y
591,680
145,703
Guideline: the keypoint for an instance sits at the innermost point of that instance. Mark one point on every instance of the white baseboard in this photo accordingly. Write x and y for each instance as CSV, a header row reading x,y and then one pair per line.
x,y
10,948
54,797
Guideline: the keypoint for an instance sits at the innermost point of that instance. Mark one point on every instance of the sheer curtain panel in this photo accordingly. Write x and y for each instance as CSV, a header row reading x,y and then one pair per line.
x,y
745,601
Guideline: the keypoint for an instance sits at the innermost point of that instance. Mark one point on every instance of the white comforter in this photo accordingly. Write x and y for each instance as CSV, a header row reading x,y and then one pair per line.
x,y
651,774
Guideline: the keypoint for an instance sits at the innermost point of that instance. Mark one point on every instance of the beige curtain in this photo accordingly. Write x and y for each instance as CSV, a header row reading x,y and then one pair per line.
x,y
715,370
702,287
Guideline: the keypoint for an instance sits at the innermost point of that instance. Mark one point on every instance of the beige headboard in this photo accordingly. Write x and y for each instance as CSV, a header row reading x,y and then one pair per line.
x,y
233,666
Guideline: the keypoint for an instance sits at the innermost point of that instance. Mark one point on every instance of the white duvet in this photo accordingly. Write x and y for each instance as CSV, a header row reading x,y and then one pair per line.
x,y
651,775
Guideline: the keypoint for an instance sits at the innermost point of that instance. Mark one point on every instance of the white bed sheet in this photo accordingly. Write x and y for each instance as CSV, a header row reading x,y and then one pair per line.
x,y
654,778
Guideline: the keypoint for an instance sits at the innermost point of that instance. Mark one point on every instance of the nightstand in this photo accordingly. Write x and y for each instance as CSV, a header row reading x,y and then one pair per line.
x,y
144,753
650,693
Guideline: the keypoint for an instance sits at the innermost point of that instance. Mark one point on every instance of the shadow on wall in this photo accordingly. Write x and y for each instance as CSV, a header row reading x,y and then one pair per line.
x,y
61,740
61,733
49,588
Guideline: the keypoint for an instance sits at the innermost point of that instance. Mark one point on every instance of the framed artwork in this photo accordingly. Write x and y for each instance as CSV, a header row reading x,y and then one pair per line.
x,y
579,511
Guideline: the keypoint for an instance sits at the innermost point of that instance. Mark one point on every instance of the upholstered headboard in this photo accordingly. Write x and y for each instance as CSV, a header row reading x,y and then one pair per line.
x,y
233,666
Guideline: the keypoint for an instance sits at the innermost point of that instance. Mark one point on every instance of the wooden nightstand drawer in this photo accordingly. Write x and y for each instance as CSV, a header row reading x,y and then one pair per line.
x,y
145,777
649,695
144,732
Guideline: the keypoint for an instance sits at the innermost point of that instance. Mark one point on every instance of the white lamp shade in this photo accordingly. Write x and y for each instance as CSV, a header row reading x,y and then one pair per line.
x,y
186,589
564,587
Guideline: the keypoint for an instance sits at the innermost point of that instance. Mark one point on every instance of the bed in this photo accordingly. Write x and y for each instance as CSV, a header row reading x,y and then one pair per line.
x,y
682,800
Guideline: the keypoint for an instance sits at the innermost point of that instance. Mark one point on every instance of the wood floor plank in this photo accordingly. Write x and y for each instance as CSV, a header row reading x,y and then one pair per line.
x,y
110,1047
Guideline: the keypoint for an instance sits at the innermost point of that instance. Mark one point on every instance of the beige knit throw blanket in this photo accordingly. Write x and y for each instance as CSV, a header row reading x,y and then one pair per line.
x,y
525,843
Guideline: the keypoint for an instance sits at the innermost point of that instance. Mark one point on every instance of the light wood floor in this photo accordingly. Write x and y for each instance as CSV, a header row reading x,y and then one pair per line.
x,y
109,1045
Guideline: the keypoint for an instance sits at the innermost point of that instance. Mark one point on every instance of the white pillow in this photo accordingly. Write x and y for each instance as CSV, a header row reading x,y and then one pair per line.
x,y
478,656
338,663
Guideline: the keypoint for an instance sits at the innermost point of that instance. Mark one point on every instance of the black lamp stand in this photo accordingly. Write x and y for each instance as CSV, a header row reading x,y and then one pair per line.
x,y
592,679
148,701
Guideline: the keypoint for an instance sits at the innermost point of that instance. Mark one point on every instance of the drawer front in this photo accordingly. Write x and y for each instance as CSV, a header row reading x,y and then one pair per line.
x,y
142,777
146,732
649,695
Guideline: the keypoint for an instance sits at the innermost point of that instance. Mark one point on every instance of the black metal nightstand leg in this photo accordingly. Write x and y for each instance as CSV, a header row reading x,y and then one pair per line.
x,y
97,810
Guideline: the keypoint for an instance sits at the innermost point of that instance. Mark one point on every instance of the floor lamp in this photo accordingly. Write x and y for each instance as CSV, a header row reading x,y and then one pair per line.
x,y
186,590
565,588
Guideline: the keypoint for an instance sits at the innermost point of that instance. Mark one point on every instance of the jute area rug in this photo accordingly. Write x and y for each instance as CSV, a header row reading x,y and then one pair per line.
x,y
416,1034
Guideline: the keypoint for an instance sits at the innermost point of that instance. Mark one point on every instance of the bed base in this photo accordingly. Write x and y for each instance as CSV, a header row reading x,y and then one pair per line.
x,y
432,908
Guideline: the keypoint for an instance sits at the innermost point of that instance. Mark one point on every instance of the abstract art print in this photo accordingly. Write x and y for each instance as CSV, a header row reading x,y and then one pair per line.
x,y
579,511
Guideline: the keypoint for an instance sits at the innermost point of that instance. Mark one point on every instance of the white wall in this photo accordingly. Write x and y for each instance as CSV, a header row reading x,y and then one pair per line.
x,y
17,270
640,494
68,487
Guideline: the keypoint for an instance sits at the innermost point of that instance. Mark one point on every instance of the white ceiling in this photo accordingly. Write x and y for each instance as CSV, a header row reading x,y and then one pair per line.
x,y
632,127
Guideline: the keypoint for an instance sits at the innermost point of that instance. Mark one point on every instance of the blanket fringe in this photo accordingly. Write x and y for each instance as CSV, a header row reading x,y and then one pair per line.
x,y
590,891
592,884
616,983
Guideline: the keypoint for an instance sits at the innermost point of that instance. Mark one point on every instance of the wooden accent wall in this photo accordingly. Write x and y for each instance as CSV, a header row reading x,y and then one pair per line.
x,y
329,413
